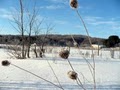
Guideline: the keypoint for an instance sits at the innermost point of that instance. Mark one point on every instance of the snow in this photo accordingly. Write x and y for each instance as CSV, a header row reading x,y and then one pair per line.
x,y
107,71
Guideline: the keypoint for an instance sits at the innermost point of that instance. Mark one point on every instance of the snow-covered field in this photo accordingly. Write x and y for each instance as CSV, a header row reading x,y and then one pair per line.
x,y
107,71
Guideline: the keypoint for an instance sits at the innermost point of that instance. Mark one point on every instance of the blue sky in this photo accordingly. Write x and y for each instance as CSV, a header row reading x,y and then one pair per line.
x,y
102,17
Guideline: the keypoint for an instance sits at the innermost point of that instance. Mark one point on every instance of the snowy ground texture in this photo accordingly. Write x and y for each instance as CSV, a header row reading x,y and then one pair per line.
x,y
13,78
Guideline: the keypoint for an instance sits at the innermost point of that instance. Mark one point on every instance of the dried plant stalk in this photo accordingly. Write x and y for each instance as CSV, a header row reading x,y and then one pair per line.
x,y
93,69
55,75
73,4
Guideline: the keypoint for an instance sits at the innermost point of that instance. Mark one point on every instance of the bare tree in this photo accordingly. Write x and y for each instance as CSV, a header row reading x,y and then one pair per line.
x,y
18,19
31,22
28,21
25,21
42,40
48,30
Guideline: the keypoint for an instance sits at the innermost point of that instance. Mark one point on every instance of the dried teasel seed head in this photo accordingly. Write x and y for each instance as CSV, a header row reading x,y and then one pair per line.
x,y
5,63
72,75
74,4
64,54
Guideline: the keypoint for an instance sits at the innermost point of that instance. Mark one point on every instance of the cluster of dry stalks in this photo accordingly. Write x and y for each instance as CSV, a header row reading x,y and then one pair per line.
x,y
64,54
72,74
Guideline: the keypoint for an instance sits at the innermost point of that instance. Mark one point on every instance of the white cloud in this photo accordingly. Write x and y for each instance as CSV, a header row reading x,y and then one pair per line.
x,y
5,14
52,7
78,26
2,10
100,21
60,22
92,19
59,1
102,26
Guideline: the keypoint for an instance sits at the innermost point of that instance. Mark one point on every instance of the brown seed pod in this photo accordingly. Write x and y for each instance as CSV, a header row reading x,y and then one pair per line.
x,y
64,54
74,4
5,63
72,74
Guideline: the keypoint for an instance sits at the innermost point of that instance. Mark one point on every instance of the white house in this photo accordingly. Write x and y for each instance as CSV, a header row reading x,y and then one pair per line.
x,y
96,46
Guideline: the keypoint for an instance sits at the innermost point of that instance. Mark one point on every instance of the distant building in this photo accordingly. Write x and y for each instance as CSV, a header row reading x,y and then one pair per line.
x,y
96,46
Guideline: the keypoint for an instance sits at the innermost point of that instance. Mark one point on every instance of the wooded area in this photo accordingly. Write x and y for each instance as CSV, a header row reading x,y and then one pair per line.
x,y
52,40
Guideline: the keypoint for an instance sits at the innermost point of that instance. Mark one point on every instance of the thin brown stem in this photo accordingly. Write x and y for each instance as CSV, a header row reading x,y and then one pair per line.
x,y
79,81
88,63
94,79
55,75
80,84
36,75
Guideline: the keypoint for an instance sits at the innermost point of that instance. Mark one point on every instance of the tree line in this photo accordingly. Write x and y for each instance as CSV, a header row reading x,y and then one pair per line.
x,y
52,39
